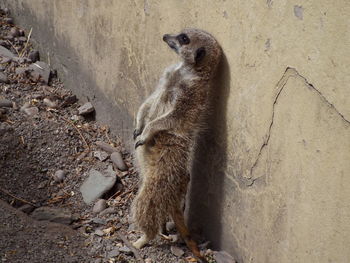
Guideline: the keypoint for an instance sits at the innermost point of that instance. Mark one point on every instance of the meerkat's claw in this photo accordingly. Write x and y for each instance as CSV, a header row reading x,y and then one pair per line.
x,y
139,143
136,133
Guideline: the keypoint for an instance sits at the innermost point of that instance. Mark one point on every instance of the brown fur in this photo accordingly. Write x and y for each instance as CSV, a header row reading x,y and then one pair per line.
x,y
166,130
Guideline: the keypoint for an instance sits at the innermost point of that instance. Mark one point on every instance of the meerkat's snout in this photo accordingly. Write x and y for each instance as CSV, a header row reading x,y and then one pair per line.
x,y
171,41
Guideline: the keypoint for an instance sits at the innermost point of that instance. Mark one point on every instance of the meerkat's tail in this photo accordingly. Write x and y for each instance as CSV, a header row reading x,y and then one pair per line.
x,y
179,221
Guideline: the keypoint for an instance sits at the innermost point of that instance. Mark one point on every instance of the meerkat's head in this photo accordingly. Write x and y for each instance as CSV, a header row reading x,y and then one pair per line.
x,y
197,48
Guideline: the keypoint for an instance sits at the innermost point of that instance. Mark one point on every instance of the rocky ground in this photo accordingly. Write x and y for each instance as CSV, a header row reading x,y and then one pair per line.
x,y
69,180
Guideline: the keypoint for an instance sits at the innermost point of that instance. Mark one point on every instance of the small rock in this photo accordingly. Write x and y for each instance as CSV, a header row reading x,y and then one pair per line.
x,y
50,104
2,68
42,185
98,221
97,184
5,128
5,60
109,210
57,215
34,56
59,176
177,251
14,32
26,208
42,69
86,109
3,78
117,159
37,96
223,257
114,253
21,32
125,250
106,147
31,111
8,20
21,71
102,156
75,118
99,232
69,101
4,52
169,226
174,238
148,260
18,60
4,103
99,206
22,39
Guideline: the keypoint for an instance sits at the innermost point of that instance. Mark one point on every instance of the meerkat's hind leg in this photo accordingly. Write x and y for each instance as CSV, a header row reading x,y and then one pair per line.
x,y
179,221
141,242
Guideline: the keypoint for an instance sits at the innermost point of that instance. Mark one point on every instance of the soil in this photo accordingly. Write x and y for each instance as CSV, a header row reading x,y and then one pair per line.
x,y
33,146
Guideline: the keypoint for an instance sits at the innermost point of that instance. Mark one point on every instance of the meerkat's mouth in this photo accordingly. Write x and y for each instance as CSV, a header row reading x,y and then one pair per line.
x,y
167,39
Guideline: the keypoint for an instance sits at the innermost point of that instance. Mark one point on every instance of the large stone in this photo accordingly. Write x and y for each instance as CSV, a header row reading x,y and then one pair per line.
x,y
97,184
57,215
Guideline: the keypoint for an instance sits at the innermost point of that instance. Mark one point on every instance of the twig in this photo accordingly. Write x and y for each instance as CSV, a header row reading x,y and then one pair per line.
x,y
18,198
132,248
76,128
25,46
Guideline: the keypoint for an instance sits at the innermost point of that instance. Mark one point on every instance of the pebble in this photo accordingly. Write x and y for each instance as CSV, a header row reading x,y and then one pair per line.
x,y
14,32
42,69
114,253
125,250
69,101
8,20
107,211
42,185
4,52
26,208
5,60
102,156
148,260
3,78
174,238
86,109
106,147
99,206
223,257
99,232
57,215
21,71
31,111
176,251
4,103
49,103
97,184
59,176
2,68
22,39
117,159
34,56
169,226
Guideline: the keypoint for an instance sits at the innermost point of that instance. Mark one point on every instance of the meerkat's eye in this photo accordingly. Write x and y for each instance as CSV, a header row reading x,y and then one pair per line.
x,y
183,39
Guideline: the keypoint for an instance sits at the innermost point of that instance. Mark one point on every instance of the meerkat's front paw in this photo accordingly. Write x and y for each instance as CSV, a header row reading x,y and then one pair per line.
x,y
137,132
139,143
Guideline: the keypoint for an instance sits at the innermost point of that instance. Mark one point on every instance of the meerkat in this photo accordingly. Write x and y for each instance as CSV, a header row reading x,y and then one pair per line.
x,y
167,126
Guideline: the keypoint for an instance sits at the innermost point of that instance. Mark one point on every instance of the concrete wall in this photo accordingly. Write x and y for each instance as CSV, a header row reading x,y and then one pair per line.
x,y
272,178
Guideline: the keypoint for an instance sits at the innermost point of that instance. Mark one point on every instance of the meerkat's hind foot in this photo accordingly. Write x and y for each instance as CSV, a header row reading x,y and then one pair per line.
x,y
141,242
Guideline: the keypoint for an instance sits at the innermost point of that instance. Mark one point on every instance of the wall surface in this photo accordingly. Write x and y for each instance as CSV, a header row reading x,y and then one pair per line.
x,y
271,181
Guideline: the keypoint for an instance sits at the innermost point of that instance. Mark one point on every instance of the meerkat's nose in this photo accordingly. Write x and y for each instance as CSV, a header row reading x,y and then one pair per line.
x,y
165,37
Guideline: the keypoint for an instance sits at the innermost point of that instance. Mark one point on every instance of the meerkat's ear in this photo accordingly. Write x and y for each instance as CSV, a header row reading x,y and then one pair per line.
x,y
200,54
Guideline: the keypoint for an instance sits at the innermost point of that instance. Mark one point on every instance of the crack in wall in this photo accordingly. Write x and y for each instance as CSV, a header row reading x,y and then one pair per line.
x,y
289,72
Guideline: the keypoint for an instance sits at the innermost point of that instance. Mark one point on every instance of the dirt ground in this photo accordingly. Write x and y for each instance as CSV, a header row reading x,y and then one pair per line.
x,y
41,133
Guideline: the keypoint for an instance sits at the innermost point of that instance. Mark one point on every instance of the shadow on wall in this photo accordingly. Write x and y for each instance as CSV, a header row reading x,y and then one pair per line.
x,y
206,192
